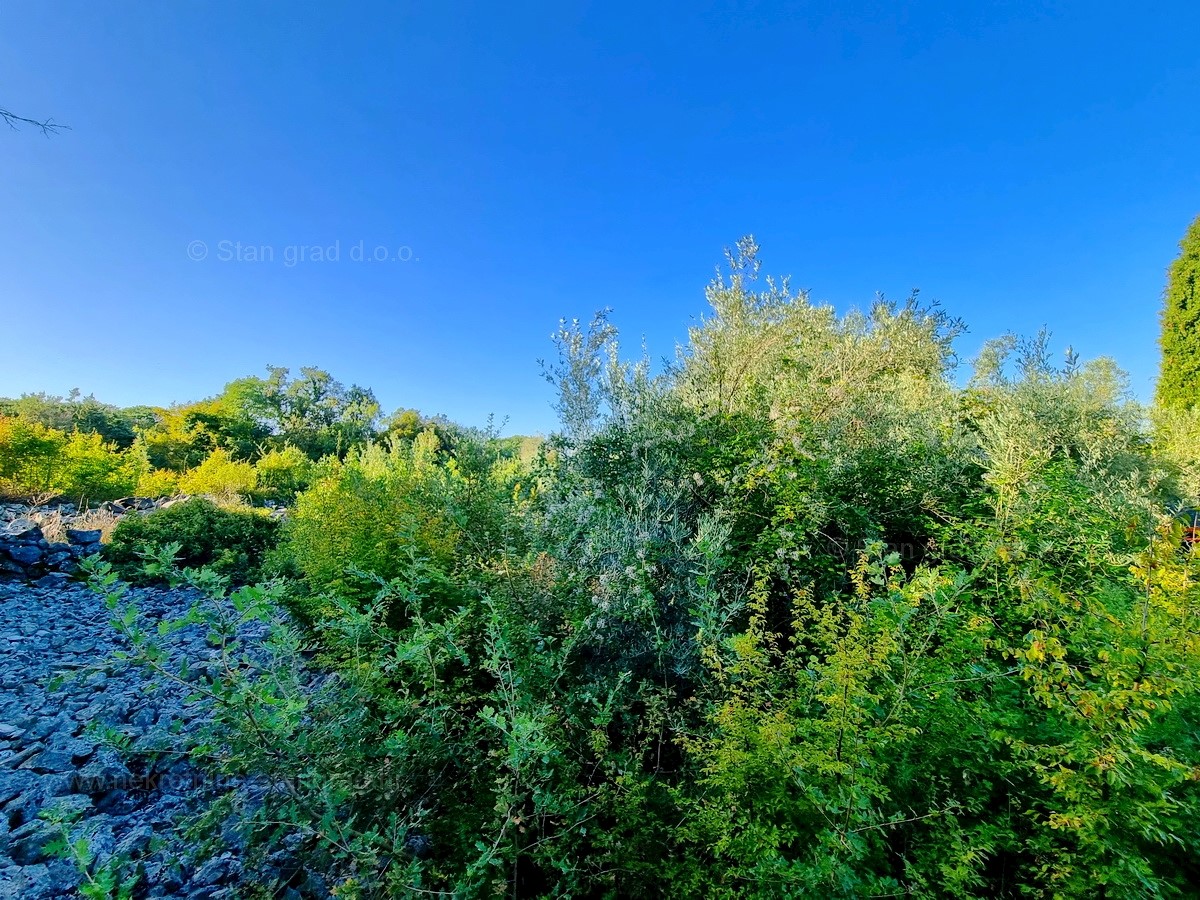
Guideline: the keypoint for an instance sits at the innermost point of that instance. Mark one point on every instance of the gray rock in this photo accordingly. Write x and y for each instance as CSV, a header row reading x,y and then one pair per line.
x,y
19,756
215,871
51,761
91,536
70,805
104,773
79,749
48,725
136,841
56,679
24,554
33,882
29,842
23,528
96,680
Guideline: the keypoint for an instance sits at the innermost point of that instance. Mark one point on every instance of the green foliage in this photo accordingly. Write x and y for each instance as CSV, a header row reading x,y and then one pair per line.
x,y
232,541
1179,378
109,878
183,436
30,455
313,412
281,474
157,483
799,617
371,513
219,475
35,459
258,437
78,413
1176,436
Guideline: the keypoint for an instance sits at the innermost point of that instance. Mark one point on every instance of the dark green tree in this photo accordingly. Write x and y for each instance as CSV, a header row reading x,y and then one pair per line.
x,y
314,411
1179,379
76,412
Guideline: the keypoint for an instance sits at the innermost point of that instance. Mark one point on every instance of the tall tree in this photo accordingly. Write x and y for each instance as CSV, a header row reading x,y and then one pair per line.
x,y
314,411
1179,380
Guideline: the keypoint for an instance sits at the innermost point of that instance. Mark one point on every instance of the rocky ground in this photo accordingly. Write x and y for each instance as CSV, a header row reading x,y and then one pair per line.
x,y
58,684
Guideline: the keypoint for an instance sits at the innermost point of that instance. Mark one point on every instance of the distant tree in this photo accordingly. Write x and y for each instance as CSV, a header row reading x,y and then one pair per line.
x,y
313,412
182,436
1179,379
76,412
404,425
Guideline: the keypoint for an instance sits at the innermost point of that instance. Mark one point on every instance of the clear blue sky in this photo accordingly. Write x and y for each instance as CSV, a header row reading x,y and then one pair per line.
x,y
1026,163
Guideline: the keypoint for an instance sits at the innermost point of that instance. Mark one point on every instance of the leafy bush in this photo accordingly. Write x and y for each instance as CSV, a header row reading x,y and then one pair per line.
x,y
382,510
158,483
281,474
93,470
219,475
35,459
370,514
1176,435
231,541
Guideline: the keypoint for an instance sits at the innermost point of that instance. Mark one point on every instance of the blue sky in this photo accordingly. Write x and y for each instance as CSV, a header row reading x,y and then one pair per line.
x,y
1024,163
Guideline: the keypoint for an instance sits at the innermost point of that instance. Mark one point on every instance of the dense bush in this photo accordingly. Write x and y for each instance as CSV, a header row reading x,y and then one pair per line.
x,y
383,510
158,483
281,474
802,617
37,460
232,541
220,475
78,413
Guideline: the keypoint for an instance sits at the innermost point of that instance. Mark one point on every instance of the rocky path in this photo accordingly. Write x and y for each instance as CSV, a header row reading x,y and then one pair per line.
x,y
58,683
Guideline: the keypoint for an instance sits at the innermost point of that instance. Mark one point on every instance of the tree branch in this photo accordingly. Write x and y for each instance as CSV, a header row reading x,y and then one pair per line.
x,y
48,127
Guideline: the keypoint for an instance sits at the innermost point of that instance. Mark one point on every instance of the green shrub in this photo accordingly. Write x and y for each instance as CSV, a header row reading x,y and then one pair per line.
x,y
94,470
231,541
372,514
35,459
219,475
158,483
281,474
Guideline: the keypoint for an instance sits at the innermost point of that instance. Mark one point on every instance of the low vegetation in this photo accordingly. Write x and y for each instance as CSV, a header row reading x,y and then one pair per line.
x,y
231,541
805,615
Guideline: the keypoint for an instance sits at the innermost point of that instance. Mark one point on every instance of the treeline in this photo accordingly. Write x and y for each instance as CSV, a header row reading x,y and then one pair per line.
x,y
259,438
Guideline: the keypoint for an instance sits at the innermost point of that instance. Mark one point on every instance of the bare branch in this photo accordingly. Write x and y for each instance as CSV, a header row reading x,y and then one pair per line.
x,y
48,127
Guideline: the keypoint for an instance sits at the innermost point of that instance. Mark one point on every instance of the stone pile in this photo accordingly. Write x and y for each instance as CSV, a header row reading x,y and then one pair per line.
x,y
70,514
25,554
59,684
